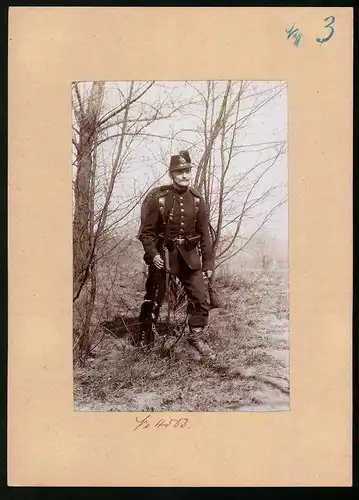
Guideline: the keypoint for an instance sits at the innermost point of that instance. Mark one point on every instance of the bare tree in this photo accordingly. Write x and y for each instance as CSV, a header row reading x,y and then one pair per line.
x,y
232,193
111,121
105,132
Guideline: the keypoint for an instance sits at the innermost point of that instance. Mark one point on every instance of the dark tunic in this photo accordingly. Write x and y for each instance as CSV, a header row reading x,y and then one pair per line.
x,y
184,263
182,225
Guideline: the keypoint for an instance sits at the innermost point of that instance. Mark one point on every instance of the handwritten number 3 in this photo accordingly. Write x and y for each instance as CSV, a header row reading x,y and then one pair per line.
x,y
329,25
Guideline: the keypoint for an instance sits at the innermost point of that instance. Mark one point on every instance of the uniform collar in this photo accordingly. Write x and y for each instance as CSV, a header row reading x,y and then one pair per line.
x,y
179,190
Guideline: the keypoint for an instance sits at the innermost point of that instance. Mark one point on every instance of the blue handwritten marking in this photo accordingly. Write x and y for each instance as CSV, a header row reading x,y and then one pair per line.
x,y
329,25
295,33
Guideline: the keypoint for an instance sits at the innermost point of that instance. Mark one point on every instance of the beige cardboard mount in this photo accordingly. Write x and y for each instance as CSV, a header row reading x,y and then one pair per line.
x,y
50,444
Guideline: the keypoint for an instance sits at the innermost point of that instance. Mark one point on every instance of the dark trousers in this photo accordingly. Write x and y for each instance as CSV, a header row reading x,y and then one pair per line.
x,y
193,284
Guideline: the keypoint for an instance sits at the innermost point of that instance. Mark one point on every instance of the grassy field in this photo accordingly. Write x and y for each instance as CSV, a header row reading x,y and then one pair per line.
x,y
251,371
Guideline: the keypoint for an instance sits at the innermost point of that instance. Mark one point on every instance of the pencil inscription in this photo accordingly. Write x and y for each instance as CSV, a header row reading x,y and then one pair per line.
x,y
174,423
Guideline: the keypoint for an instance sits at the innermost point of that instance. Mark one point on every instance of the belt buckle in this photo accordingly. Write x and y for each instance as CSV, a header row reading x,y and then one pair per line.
x,y
180,240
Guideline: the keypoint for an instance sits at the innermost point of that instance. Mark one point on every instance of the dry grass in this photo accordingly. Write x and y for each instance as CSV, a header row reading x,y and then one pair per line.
x,y
249,333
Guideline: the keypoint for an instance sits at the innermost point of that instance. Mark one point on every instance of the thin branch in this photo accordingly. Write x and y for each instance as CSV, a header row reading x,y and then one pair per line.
x,y
265,220
115,112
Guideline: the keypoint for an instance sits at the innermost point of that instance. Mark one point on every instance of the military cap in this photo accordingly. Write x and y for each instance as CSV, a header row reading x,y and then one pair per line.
x,y
180,161
185,155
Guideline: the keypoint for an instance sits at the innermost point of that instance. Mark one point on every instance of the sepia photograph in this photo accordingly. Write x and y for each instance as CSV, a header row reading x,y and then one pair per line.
x,y
180,235
180,246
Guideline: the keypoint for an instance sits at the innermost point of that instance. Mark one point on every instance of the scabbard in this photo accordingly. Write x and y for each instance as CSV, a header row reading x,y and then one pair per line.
x,y
167,266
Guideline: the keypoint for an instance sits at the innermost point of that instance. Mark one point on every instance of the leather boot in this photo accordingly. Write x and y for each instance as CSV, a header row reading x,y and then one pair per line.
x,y
148,315
142,339
195,341
146,337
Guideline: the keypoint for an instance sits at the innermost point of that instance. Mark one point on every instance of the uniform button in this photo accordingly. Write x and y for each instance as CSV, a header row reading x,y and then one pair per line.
x,y
182,210
181,204
181,197
181,230
182,223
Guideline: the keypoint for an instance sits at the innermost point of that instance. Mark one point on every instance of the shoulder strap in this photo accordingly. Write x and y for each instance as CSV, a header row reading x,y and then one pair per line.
x,y
168,221
196,200
194,191
161,201
155,193
162,207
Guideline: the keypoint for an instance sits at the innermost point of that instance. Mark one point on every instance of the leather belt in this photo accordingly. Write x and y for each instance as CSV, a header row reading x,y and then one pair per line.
x,y
178,240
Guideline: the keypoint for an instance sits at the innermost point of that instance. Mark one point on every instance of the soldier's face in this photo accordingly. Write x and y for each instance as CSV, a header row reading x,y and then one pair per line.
x,y
181,177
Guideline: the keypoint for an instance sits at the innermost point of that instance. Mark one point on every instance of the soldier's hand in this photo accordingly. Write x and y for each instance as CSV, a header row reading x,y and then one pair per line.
x,y
158,262
207,274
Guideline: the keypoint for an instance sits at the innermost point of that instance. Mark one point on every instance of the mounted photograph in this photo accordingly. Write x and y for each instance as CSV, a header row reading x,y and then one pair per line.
x,y
180,246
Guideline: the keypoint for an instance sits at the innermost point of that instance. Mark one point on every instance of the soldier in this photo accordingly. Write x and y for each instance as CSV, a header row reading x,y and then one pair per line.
x,y
176,221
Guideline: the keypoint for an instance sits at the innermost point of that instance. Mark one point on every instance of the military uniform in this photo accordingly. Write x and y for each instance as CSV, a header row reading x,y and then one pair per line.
x,y
188,230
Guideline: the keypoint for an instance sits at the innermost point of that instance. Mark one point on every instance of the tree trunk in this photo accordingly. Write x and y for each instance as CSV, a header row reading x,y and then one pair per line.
x,y
81,223
85,344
